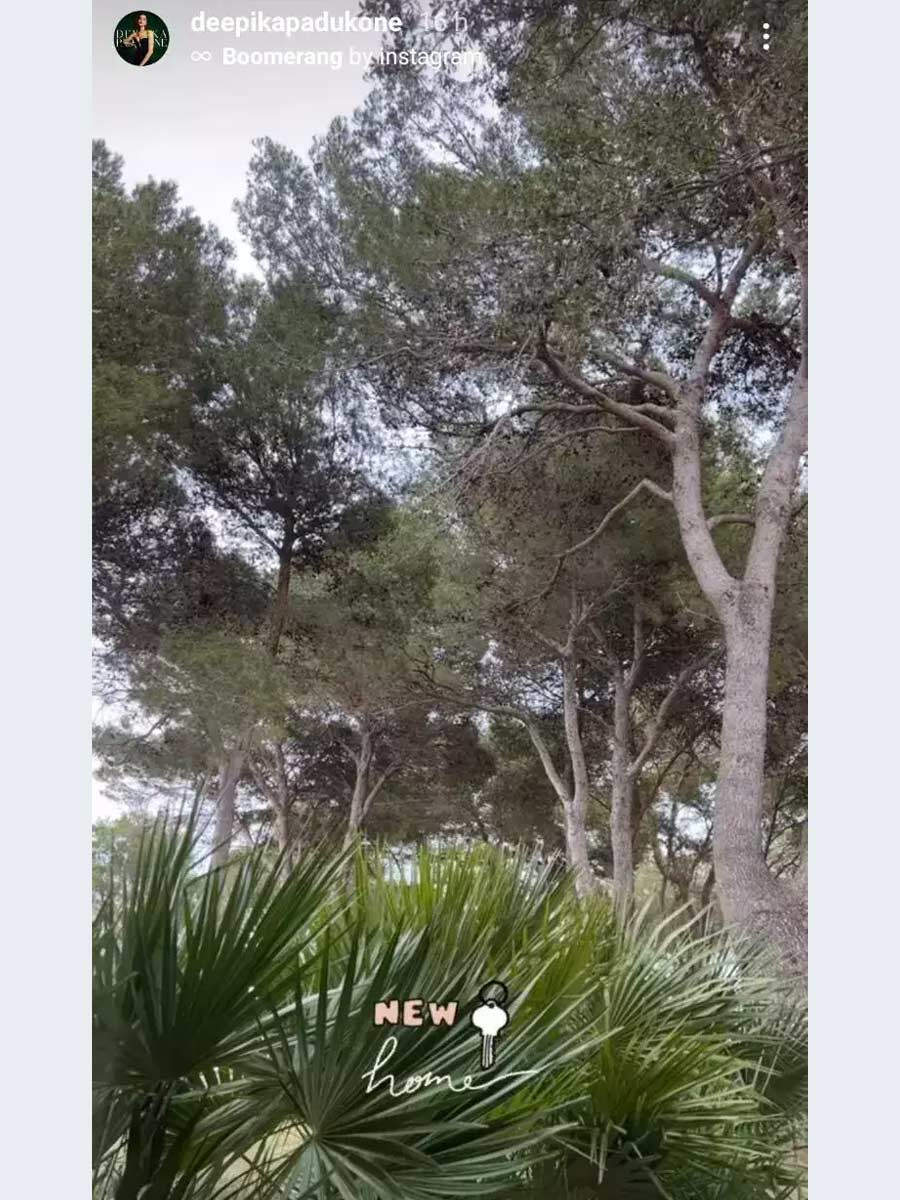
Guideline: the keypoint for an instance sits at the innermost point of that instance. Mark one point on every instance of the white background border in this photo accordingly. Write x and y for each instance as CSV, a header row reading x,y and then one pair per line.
x,y
855,470
45,876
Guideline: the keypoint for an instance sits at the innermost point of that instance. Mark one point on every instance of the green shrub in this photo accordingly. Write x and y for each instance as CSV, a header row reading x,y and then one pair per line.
x,y
234,1028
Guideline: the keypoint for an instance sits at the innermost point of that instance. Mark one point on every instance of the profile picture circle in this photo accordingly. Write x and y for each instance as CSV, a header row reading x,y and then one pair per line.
x,y
141,38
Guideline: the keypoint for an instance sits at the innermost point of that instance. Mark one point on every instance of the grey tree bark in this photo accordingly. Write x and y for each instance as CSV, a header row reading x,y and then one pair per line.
x,y
622,800
365,789
751,898
230,769
363,758
573,800
626,765
275,786
749,895
575,809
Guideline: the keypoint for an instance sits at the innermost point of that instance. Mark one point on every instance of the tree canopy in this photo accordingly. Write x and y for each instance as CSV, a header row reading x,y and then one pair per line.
x,y
574,280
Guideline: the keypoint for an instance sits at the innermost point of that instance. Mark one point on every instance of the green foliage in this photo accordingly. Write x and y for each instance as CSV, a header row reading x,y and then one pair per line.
x,y
213,679
184,963
160,287
115,843
233,1036
358,616
160,280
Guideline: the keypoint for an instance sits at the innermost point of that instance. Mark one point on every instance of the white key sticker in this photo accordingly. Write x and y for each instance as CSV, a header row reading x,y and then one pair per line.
x,y
489,1018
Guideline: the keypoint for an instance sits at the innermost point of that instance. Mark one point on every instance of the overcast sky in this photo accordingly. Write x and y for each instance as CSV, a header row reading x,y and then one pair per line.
x,y
193,121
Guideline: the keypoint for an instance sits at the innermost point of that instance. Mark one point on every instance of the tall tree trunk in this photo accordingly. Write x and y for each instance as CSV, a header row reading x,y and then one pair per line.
x,y
577,846
573,799
622,802
284,834
750,896
282,829
276,789
627,766
361,784
575,805
229,773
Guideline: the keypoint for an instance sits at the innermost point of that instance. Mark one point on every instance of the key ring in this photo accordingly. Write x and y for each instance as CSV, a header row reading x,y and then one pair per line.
x,y
494,983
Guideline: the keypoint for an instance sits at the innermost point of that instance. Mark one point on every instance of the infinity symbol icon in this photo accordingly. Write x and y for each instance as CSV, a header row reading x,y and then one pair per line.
x,y
201,55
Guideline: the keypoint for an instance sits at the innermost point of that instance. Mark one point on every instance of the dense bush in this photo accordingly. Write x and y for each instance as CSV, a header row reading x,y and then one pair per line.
x,y
234,1028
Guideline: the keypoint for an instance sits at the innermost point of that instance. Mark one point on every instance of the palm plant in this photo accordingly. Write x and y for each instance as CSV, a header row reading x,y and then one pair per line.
x,y
234,1037
182,960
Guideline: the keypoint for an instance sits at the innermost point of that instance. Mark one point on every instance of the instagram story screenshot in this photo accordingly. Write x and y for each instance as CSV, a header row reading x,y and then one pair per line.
x,y
449,588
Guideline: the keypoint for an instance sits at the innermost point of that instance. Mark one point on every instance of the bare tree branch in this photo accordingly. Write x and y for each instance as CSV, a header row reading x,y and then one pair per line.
x,y
657,724
682,276
379,783
637,660
547,762
644,485
730,519
626,411
719,321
